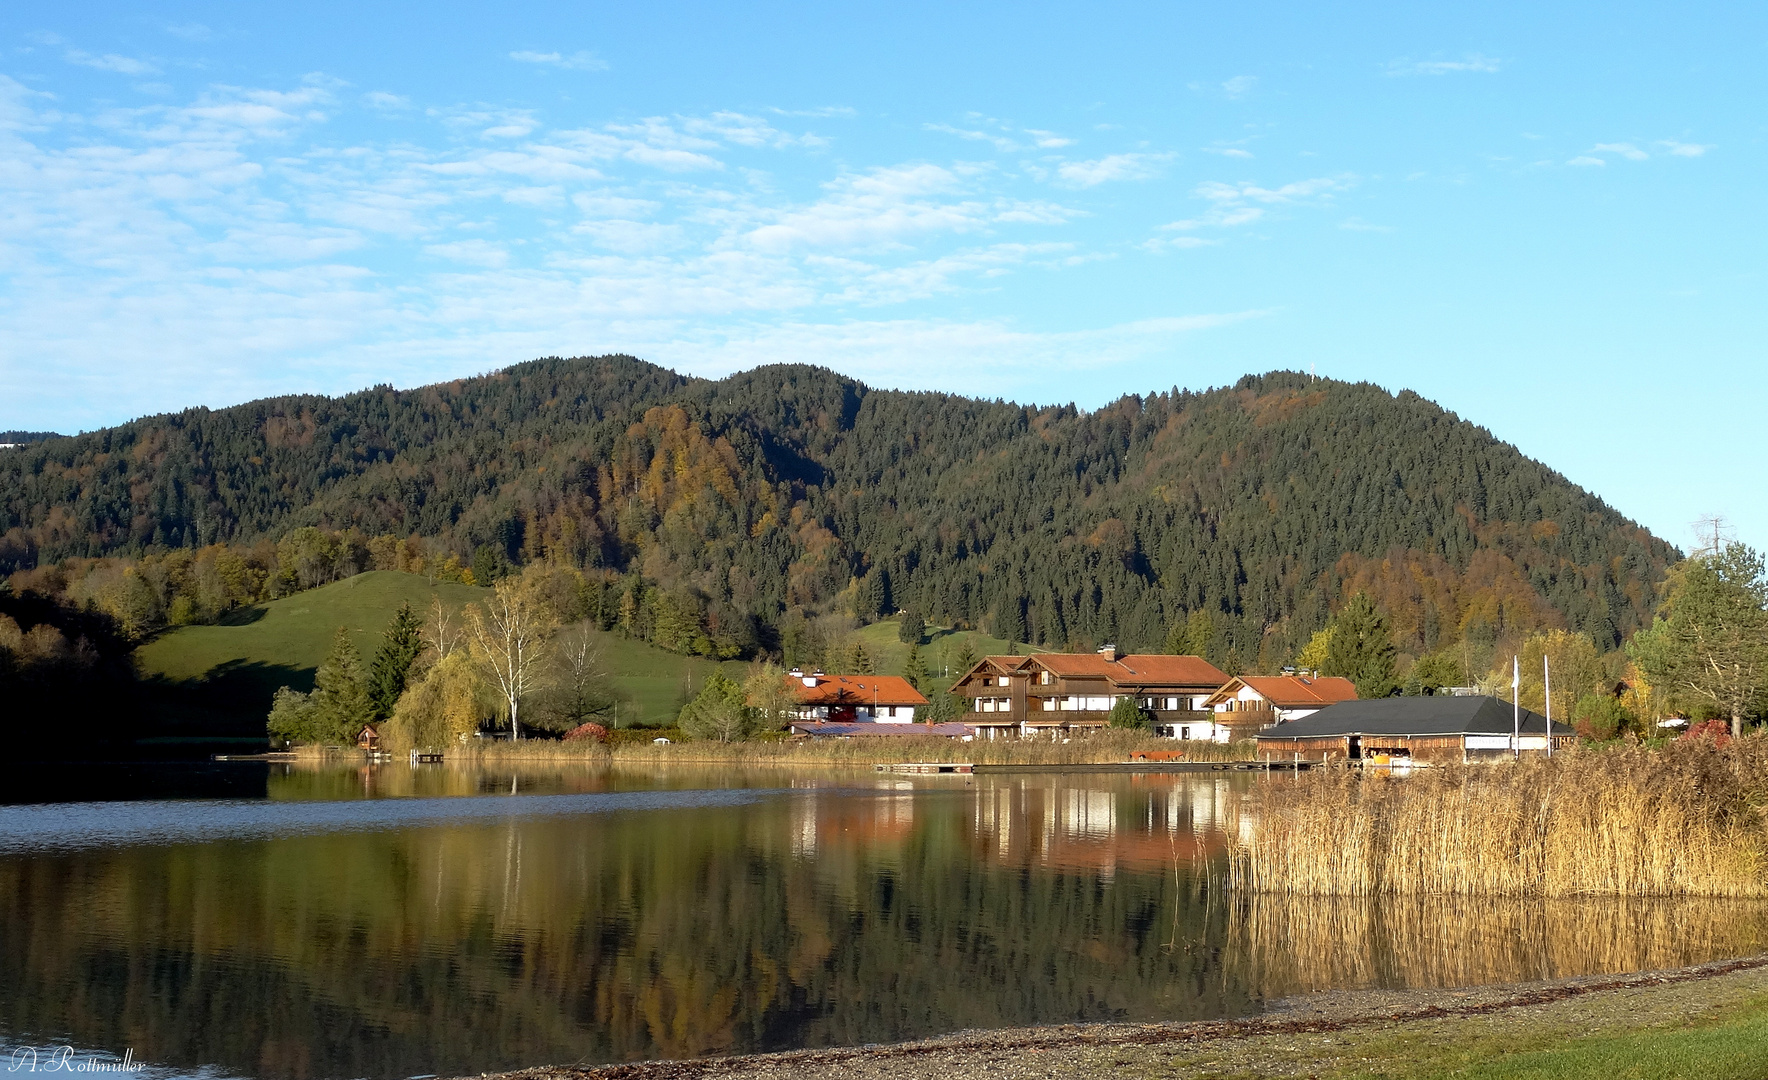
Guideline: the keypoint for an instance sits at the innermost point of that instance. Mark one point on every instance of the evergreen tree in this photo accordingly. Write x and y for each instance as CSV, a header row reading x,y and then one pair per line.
x,y
1362,648
1178,639
964,660
913,669
341,693
1125,713
913,628
400,646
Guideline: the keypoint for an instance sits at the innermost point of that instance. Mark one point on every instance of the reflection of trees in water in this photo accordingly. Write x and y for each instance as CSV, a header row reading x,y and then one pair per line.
x,y
807,919
1294,944
616,936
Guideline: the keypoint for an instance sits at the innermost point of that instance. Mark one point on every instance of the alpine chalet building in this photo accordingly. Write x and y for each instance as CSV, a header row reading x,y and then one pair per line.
x,y
1056,693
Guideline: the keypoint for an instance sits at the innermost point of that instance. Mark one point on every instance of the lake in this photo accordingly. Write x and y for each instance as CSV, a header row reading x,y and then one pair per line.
x,y
395,921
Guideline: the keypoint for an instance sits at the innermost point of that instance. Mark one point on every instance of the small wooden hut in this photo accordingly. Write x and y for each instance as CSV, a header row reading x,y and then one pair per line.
x,y
368,739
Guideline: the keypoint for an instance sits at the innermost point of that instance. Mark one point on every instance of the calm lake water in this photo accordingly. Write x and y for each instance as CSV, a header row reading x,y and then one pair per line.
x,y
396,922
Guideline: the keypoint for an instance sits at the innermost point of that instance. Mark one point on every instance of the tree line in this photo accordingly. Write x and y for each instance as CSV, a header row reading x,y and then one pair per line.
x,y
1256,509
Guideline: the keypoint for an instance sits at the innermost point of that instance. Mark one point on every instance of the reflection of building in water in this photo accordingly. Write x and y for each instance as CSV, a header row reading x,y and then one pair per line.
x,y
821,824
1142,822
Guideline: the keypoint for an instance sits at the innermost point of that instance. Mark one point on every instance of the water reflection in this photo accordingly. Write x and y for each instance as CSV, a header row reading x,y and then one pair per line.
x,y
621,915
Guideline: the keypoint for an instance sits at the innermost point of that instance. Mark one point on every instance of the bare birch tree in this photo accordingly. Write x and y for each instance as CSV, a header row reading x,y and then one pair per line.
x,y
508,635
440,630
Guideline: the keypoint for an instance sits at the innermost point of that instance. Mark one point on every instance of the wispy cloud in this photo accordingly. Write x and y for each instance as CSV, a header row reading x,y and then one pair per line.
x,y
1621,149
1228,151
577,61
190,31
1472,62
1233,205
1111,167
1682,149
1586,160
1239,86
122,65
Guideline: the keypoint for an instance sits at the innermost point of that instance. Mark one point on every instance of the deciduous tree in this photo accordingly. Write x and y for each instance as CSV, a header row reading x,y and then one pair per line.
x,y
509,634
1709,642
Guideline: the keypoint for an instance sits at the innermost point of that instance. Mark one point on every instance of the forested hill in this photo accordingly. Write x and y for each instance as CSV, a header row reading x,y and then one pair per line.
x,y
792,490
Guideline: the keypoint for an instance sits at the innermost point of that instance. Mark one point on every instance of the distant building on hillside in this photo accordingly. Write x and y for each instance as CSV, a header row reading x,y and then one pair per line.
x,y
1439,728
1055,693
1248,703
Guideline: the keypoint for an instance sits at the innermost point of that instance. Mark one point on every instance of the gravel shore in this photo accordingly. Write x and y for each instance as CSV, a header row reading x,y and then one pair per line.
x,y
1299,1036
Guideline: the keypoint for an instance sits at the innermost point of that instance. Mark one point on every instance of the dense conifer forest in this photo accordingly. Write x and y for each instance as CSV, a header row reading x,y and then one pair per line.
x,y
732,514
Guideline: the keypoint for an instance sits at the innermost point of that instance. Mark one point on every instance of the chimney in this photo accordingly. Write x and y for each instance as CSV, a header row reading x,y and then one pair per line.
x,y
814,677
1109,652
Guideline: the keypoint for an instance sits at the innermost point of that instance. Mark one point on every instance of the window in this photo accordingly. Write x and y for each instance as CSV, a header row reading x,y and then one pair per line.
x,y
1046,678
1003,680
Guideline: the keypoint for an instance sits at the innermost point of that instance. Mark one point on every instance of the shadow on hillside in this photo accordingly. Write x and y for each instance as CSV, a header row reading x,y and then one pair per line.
x,y
231,699
242,616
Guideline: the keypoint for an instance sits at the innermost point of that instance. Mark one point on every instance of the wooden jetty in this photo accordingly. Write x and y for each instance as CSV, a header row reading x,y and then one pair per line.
x,y
927,767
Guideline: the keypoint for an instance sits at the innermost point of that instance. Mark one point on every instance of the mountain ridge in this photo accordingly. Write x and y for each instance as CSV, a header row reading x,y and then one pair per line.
x,y
786,492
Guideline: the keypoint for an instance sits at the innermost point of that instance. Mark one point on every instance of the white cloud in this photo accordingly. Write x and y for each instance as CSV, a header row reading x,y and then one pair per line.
x,y
577,61
476,252
1626,150
193,31
1682,149
632,237
1228,151
238,243
122,65
1586,159
1048,140
1000,142
1244,203
1472,62
882,206
1111,167
1239,86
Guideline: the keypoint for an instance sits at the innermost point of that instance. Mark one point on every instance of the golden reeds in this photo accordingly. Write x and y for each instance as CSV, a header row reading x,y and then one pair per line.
x,y
1686,820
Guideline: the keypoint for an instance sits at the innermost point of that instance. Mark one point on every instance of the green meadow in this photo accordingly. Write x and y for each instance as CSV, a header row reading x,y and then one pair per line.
x,y
218,680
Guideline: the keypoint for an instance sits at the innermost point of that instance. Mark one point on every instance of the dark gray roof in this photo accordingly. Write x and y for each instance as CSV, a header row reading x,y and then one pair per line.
x,y
1441,715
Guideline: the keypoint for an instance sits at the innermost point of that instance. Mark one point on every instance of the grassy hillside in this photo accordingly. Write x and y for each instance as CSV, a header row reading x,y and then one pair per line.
x,y
939,650
213,680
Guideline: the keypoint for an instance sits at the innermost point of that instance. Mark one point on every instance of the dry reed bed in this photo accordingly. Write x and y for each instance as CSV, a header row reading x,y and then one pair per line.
x,y
1096,748
1683,820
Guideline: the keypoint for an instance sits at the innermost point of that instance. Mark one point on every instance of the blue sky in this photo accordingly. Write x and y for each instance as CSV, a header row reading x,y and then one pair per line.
x,y
1549,219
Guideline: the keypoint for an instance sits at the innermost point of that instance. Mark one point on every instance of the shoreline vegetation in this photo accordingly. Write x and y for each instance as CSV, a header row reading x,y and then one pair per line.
x,y
1689,818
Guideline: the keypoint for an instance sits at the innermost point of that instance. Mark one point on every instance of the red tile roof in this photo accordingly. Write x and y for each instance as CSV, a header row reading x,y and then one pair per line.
x,y
1300,691
857,690
1159,669
1133,670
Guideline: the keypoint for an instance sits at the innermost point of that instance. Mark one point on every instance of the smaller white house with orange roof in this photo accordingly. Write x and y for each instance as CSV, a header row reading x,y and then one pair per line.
x,y
848,699
1246,704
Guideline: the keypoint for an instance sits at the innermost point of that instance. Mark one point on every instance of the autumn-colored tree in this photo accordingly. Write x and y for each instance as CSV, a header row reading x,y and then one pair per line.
x,y
509,635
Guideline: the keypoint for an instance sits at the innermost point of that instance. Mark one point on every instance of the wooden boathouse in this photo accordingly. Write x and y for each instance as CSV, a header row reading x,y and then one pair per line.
x,y
1423,729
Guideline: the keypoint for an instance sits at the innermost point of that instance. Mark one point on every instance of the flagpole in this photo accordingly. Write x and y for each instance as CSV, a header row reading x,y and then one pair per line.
x,y
1547,688
1515,707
